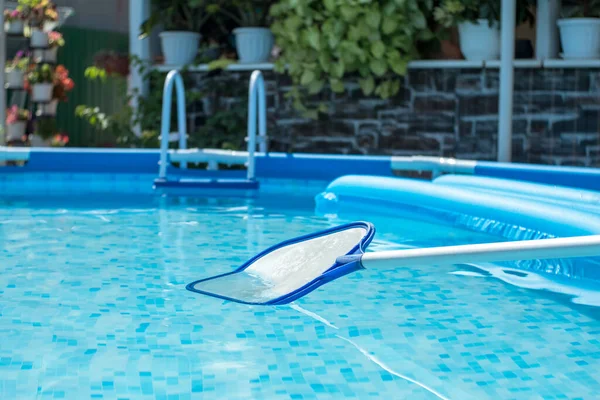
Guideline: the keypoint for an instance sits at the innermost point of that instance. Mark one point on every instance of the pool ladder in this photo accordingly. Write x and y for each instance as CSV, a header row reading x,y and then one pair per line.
x,y
257,115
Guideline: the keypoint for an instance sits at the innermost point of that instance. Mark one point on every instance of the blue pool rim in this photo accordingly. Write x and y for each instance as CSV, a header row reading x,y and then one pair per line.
x,y
337,270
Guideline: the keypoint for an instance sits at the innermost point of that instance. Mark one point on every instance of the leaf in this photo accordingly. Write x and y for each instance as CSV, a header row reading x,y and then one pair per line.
x,y
315,87
337,69
373,18
400,67
367,85
349,13
314,38
389,25
378,49
337,86
378,67
325,61
308,76
330,5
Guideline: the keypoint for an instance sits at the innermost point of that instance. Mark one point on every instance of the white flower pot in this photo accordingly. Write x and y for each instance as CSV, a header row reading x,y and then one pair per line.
x,y
479,41
14,27
179,47
39,39
38,141
48,109
580,38
48,56
41,92
253,45
15,131
15,78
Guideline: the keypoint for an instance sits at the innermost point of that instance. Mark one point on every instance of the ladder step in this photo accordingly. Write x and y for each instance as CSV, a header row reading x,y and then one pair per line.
x,y
206,183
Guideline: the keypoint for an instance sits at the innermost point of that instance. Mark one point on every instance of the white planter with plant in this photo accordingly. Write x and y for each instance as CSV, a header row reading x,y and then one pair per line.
x,y
478,25
182,20
579,29
13,22
253,39
479,40
15,70
41,81
39,38
16,123
49,55
253,45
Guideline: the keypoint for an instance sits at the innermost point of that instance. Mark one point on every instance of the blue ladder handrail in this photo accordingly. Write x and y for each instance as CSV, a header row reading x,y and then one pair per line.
x,y
257,114
174,77
256,94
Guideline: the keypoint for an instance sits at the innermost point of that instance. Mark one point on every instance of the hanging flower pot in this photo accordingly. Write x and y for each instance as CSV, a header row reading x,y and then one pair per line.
x,y
253,45
15,78
38,141
479,41
49,109
45,56
41,92
15,131
16,123
15,27
13,22
39,38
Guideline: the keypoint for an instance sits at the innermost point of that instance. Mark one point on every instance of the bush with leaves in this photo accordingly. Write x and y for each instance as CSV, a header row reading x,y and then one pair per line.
x,y
580,9
453,12
324,42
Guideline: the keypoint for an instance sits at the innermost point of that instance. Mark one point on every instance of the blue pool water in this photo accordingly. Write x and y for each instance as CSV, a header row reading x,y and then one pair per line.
x,y
93,305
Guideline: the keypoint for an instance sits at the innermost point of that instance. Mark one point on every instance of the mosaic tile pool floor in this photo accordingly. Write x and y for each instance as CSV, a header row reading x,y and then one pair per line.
x,y
93,306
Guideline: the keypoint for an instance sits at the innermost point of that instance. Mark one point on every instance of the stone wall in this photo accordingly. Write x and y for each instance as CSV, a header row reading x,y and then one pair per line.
x,y
440,112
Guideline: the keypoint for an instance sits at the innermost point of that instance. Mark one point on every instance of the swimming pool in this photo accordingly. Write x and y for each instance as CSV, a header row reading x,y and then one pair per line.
x,y
93,305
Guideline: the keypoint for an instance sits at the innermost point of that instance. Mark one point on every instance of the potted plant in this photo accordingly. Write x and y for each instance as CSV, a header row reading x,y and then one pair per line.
x,y
13,22
55,41
42,16
59,140
62,85
41,82
15,70
579,29
115,64
253,38
182,20
478,24
16,123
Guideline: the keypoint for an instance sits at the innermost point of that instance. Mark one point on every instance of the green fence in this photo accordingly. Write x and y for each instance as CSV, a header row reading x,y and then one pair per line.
x,y
81,45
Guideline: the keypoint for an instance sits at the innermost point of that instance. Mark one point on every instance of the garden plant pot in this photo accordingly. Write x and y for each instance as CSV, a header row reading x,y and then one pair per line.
x,y
14,27
45,56
15,131
38,141
39,39
179,47
479,41
41,92
15,78
48,109
253,45
580,38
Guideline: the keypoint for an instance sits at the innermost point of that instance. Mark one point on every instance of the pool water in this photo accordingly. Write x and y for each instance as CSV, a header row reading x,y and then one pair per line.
x,y
93,305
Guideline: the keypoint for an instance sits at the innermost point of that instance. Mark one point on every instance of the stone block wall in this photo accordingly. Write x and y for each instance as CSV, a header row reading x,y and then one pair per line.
x,y
438,112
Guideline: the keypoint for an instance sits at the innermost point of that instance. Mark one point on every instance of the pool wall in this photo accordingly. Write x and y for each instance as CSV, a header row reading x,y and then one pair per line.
x,y
323,167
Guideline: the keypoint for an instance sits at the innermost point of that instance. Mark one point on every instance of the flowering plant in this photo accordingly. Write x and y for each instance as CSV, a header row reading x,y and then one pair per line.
x,y
55,39
13,15
20,62
59,140
62,83
16,114
38,12
42,73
